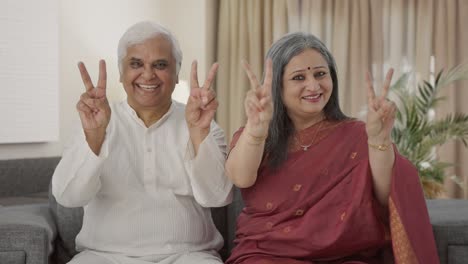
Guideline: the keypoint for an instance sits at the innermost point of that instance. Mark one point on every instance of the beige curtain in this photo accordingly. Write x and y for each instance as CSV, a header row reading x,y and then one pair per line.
x,y
449,39
419,30
246,29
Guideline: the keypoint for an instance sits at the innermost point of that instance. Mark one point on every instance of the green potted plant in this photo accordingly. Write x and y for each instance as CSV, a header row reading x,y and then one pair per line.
x,y
417,132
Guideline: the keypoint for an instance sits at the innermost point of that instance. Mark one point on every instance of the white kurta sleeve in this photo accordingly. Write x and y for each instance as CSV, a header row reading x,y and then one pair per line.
x,y
76,179
210,186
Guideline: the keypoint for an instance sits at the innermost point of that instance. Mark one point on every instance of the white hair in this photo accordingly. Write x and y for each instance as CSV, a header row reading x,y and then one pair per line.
x,y
142,31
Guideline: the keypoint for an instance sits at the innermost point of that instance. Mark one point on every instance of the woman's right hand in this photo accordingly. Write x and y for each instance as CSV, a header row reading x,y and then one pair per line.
x,y
93,107
250,146
258,102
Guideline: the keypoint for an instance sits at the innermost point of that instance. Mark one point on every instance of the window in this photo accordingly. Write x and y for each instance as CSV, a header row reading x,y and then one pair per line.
x,y
29,71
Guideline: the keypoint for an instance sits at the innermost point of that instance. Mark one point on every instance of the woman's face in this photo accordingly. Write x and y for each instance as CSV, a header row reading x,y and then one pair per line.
x,y
307,87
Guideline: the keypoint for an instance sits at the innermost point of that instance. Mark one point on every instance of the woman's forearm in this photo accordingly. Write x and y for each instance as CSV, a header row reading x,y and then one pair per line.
x,y
244,160
381,161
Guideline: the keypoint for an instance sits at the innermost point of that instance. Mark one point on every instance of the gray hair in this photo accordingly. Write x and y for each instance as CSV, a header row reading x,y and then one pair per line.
x,y
281,127
142,31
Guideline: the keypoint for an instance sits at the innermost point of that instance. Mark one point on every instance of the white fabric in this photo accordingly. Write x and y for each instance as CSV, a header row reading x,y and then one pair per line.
x,y
89,257
145,194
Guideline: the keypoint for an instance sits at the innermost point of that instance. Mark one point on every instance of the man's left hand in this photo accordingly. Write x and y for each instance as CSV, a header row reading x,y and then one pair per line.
x,y
201,105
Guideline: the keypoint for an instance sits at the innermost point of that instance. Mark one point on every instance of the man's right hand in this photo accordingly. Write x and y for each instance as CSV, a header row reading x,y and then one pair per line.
x,y
93,107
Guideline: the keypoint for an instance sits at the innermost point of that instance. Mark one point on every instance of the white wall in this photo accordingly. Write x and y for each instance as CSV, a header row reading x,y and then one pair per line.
x,y
90,30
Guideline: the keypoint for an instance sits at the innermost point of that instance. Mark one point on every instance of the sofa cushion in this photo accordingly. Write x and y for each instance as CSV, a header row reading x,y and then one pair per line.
x,y
13,257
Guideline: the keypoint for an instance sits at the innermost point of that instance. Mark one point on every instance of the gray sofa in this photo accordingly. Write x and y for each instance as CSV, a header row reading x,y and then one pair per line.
x,y
34,229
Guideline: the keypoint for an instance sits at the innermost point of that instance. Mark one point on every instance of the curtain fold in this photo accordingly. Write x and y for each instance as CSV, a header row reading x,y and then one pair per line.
x,y
247,28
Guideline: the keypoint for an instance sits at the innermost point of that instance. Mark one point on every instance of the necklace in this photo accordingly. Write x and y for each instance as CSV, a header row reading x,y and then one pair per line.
x,y
306,147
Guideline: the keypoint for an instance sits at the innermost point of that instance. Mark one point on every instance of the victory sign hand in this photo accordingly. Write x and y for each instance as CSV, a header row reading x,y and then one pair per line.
x,y
381,111
258,102
93,107
202,104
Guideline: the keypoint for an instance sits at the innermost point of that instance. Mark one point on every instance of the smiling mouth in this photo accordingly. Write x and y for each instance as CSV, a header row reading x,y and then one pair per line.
x,y
312,97
148,87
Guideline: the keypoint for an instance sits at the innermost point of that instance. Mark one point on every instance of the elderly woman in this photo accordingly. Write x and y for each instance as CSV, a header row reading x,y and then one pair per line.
x,y
318,186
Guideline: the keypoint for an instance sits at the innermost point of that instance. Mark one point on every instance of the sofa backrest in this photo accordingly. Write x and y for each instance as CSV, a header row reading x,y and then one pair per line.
x,y
19,177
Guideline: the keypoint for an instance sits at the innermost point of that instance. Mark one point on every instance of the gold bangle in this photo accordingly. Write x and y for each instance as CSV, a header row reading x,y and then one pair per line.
x,y
381,147
255,140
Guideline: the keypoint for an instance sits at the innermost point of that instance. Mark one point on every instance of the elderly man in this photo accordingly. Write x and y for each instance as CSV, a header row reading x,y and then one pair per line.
x,y
147,169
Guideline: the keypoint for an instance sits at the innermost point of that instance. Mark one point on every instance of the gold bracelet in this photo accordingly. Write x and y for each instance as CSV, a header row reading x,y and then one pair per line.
x,y
255,140
381,147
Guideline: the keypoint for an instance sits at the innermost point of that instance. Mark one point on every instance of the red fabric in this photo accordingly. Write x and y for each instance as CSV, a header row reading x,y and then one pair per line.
x,y
319,207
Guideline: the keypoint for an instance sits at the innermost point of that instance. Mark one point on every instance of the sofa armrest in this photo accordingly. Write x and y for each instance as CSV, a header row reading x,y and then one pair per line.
x,y
449,219
23,244
26,232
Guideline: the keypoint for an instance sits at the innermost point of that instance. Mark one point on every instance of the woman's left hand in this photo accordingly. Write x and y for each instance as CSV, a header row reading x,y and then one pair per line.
x,y
381,112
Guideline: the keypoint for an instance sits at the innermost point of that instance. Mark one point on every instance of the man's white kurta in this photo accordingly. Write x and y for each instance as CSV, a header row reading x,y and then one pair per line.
x,y
146,193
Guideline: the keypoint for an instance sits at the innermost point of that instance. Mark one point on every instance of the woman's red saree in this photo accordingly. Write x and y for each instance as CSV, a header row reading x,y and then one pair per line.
x,y
319,207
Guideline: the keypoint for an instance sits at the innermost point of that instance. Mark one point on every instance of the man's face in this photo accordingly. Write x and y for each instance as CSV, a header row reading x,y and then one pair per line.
x,y
149,74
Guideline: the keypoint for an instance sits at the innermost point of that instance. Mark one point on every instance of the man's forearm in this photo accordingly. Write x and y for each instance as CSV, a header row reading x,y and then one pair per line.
x,y
95,140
